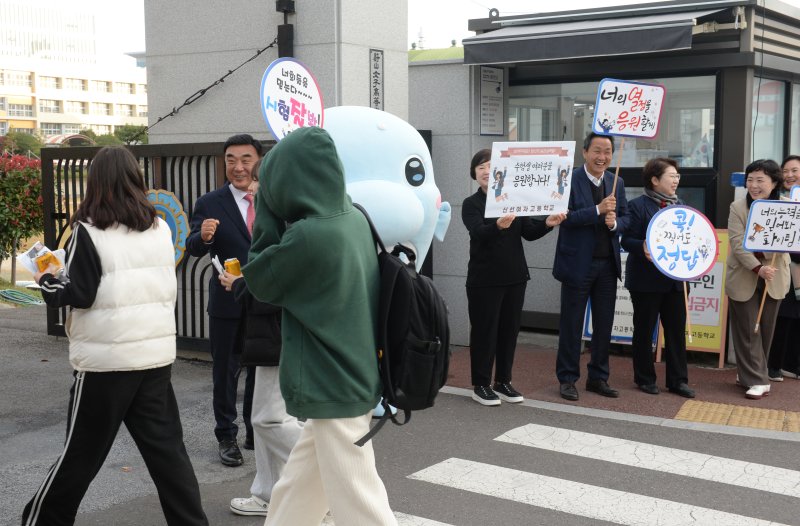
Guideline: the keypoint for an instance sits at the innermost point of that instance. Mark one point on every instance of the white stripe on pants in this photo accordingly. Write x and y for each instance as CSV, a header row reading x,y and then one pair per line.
x,y
326,470
274,431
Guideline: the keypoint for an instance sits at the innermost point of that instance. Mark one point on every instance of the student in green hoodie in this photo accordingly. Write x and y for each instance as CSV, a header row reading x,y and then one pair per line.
x,y
322,270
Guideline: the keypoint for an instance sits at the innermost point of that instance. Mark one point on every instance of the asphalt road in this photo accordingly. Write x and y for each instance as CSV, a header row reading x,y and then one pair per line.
x,y
553,464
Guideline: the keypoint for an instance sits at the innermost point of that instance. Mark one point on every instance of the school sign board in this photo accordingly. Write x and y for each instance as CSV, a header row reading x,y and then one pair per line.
x,y
628,109
529,178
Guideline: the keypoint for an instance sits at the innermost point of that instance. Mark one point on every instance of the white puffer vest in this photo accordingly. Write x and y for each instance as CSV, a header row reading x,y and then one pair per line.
x,y
131,324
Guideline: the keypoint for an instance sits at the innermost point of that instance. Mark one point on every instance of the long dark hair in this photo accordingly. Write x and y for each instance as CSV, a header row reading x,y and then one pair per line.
x,y
115,192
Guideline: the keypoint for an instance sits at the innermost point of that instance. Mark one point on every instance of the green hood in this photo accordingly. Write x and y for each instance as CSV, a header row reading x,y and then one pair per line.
x,y
307,184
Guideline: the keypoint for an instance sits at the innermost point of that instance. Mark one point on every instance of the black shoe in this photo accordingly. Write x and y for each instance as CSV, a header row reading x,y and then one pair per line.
x,y
507,393
775,375
601,387
682,390
568,392
229,453
484,395
650,389
248,443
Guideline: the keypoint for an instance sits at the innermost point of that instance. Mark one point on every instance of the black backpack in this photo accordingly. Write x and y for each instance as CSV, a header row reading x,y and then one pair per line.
x,y
413,335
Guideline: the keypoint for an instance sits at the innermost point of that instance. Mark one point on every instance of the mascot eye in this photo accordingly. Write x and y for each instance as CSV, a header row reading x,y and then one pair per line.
x,y
415,171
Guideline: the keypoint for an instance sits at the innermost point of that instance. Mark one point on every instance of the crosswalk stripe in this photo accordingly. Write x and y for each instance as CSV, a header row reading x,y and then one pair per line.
x,y
658,458
575,498
404,519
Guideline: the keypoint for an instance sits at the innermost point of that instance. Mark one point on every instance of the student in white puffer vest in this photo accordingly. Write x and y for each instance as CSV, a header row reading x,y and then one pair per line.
x,y
119,281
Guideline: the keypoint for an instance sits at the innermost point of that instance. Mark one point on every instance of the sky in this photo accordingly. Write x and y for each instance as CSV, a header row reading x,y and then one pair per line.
x,y
437,21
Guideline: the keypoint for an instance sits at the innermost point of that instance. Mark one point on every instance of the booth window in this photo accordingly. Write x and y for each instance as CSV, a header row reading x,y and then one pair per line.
x,y
794,134
769,104
558,112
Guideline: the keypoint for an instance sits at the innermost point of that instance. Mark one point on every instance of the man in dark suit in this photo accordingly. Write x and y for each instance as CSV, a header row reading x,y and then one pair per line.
x,y
220,227
588,266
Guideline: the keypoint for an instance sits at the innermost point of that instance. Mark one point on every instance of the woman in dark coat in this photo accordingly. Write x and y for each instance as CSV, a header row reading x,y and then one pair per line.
x,y
653,293
497,276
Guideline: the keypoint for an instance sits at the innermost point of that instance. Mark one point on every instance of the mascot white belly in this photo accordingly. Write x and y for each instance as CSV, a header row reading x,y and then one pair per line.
x,y
389,172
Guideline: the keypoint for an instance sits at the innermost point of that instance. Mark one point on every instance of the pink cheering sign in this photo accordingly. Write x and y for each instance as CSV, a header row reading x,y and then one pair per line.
x,y
290,98
628,109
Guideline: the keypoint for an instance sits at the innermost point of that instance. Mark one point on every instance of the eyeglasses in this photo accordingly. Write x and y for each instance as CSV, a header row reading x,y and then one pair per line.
x,y
676,177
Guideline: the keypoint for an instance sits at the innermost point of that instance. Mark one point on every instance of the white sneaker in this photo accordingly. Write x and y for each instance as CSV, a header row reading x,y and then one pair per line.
x,y
250,506
757,392
791,374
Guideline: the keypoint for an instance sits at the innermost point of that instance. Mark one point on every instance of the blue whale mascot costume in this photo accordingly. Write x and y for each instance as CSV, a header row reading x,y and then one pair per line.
x,y
388,170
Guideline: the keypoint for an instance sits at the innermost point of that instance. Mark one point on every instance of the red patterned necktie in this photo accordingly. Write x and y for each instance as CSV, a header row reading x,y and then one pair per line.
x,y
251,212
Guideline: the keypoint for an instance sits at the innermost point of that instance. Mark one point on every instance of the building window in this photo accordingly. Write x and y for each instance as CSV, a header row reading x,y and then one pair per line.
x,y
769,102
50,82
141,88
70,129
76,107
27,131
101,108
101,86
20,110
3,128
49,106
794,138
101,129
558,112
75,84
50,128
16,78
123,87
142,111
125,110
2,104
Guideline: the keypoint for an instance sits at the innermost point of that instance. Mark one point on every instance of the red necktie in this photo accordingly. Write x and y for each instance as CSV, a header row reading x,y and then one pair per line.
x,y
251,212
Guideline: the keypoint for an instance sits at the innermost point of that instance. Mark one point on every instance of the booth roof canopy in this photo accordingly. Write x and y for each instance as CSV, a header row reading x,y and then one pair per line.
x,y
585,37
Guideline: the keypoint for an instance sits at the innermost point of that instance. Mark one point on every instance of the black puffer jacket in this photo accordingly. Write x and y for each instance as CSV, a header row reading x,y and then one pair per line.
x,y
261,329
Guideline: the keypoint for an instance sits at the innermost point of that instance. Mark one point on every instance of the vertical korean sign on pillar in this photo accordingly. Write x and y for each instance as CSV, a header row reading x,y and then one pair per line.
x,y
376,79
492,108
290,98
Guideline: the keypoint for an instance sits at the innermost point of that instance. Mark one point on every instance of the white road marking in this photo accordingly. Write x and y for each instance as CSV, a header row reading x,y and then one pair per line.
x,y
403,519
657,458
575,498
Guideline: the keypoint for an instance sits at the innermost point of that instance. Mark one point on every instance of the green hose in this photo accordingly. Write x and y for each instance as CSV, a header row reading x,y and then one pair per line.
x,y
15,296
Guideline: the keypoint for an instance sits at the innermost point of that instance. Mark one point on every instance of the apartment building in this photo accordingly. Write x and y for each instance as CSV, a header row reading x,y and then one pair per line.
x,y
52,81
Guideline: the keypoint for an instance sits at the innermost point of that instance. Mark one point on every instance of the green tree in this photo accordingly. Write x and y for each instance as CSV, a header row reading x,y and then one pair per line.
x,y
131,134
88,132
107,140
21,212
23,143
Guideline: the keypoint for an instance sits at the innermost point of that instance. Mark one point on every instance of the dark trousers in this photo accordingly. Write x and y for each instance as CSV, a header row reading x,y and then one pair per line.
x,y
494,313
226,343
785,350
599,285
646,308
99,404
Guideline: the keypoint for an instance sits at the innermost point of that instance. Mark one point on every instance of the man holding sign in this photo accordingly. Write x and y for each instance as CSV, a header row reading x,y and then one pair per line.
x,y
587,264
756,281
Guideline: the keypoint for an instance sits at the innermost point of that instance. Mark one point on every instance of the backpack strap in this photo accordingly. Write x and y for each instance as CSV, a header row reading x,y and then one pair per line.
x,y
372,228
387,415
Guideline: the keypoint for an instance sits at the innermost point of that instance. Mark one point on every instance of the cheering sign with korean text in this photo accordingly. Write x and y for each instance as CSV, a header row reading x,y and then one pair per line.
x,y
628,109
529,178
682,242
773,226
290,98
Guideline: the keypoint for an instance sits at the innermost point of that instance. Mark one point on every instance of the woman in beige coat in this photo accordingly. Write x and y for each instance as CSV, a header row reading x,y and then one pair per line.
x,y
748,274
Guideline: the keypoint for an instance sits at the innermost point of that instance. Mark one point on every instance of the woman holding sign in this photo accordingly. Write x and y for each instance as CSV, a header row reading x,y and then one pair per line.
x,y
749,275
497,276
653,293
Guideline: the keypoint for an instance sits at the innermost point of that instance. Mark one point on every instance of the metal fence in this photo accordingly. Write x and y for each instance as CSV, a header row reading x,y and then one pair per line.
x,y
187,170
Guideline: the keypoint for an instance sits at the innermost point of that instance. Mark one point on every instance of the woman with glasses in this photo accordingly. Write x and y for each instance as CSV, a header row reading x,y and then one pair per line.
x,y
652,292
